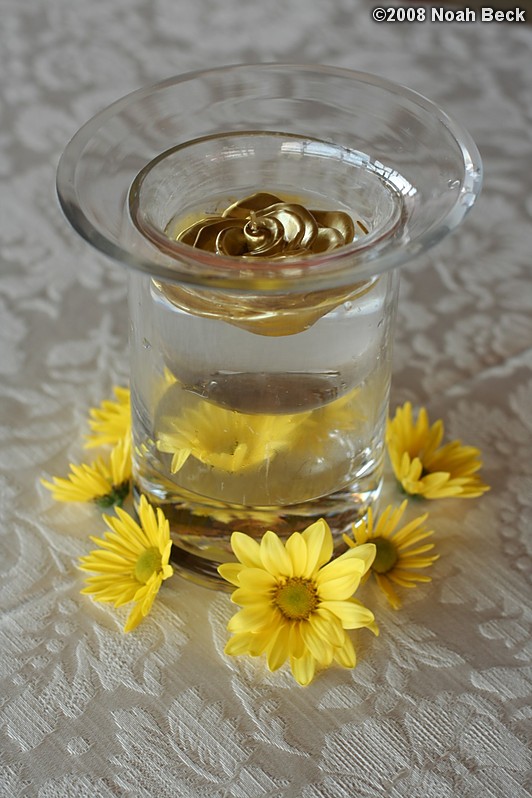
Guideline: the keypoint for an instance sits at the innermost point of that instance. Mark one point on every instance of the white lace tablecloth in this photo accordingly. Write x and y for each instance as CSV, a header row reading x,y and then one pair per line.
x,y
438,705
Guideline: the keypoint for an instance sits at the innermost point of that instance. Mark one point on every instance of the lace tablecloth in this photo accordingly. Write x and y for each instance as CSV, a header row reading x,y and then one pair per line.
x,y
438,705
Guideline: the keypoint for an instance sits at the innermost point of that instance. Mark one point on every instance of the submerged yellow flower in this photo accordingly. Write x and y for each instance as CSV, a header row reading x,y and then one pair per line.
x,y
424,467
340,414
296,604
105,482
226,439
132,561
341,417
111,421
395,561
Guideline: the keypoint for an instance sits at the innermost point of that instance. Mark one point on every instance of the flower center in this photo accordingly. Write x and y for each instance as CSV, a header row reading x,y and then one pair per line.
x,y
116,495
148,563
386,556
297,598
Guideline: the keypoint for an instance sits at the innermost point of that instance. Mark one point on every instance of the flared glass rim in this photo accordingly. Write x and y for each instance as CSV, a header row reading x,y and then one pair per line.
x,y
181,263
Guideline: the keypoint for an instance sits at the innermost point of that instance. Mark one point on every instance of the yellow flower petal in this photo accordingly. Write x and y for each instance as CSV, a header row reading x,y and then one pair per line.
x,y
246,550
273,555
329,626
251,618
111,421
231,572
179,459
350,614
296,642
340,589
364,552
296,549
247,598
345,654
279,649
389,592
257,580
319,546
238,644
340,579
303,669
319,647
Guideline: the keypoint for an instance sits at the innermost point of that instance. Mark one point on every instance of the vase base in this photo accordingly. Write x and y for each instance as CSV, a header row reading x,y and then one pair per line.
x,y
201,534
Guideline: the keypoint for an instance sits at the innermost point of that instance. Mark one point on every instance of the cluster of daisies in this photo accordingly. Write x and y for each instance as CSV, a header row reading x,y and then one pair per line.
x,y
296,601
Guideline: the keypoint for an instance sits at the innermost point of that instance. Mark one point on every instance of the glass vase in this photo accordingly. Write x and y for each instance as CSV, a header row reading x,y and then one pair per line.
x,y
259,385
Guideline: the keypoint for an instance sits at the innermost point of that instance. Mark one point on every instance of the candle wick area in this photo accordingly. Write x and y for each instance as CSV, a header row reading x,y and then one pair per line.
x,y
253,222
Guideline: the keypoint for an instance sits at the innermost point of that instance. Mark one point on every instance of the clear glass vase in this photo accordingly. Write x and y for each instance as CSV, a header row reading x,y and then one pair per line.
x,y
260,386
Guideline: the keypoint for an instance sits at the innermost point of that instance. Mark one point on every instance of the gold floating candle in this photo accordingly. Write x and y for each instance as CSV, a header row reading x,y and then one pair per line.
x,y
268,227
265,226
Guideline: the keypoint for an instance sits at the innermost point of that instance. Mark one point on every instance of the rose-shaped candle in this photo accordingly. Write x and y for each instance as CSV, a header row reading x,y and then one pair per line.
x,y
264,226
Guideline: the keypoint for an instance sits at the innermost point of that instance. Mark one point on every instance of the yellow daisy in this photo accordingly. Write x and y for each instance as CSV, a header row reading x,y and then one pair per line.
x,y
424,467
111,421
226,439
396,561
132,561
105,482
296,604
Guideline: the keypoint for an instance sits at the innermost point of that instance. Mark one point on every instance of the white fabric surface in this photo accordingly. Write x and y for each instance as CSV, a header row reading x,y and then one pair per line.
x,y
438,705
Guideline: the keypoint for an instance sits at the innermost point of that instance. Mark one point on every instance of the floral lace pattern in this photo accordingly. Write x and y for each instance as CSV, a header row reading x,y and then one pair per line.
x,y
437,707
